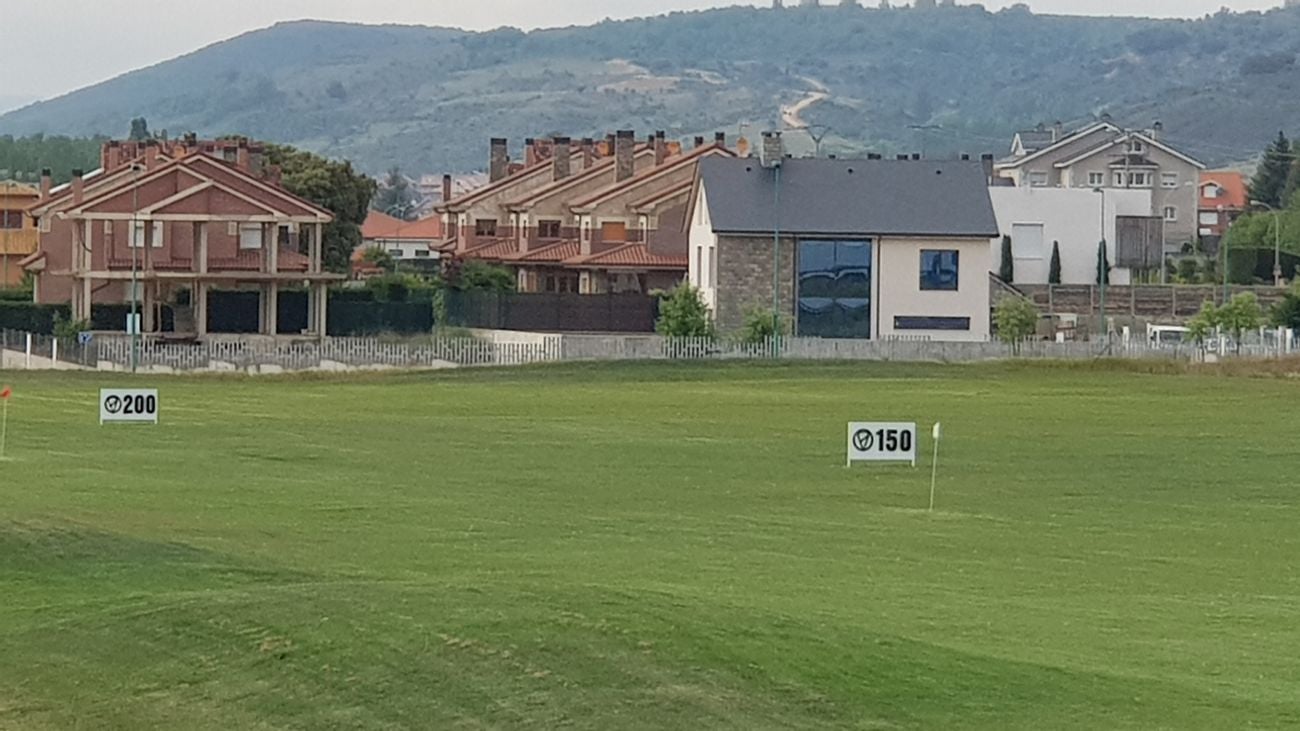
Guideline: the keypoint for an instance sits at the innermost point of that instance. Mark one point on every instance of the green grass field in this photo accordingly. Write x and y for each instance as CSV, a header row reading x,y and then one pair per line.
x,y
653,547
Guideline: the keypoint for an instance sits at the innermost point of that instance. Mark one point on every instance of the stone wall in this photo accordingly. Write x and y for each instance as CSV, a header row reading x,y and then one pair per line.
x,y
745,279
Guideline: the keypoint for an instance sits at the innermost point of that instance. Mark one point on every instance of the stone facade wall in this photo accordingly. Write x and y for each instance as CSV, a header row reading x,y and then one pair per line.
x,y
745,279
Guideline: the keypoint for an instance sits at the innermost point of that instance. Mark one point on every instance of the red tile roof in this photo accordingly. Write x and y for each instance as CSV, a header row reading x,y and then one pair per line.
x,y
495,250
557,252
1234,193
652,173
629,256
379,225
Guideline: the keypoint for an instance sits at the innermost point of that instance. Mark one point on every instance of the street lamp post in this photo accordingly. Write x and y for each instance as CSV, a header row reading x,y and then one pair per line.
x,y
1277,242
135,246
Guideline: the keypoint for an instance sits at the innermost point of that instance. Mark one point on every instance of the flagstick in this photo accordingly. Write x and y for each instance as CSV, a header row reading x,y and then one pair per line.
x,y
934,466
4,427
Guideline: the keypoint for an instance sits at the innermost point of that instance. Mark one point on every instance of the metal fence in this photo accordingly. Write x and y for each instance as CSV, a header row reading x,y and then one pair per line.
x,y
259,354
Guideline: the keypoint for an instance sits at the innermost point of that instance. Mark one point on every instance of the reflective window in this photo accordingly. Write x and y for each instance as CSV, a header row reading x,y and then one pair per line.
x,y
939,269
834,289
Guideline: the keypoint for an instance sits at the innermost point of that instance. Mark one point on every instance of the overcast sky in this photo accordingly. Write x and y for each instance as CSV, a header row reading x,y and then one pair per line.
x,y
56,46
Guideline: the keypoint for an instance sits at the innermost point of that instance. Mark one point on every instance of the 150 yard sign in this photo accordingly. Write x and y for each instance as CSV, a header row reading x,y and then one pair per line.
x,y
128,405
882,442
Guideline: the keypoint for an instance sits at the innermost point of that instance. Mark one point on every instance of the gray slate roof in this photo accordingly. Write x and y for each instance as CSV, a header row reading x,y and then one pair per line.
x,y
850,197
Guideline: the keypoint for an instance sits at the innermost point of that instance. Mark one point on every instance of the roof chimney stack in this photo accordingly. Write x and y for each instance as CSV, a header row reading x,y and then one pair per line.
x,y
771,151
45,183
624,155
498,159
661,147
150,154
916,156
446,187
1157,129
243,159
560,155
902,156
699,141
609,145
720,139
530,152
986,161
588,153
1058,131
78,185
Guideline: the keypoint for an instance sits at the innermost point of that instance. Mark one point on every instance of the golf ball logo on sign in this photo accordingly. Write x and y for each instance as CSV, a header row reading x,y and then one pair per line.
x,y
128,405
882,442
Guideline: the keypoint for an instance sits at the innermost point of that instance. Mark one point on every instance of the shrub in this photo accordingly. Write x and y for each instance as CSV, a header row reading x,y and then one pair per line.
x,y
761,326
66,328
1240,315
683,314
1201,327
1287,312
1017,320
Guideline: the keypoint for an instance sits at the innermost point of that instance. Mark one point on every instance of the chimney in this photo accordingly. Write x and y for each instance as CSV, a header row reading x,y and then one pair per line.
x,y
530,152
720,139
661,147
624,155
243,161
498,159
986,160
902,156
112,155
916,156
609,146
1058,131
965,157
78,185
771,151
150,154
560,157
1157,129
446,187
874,156
699,142
588,152
45,184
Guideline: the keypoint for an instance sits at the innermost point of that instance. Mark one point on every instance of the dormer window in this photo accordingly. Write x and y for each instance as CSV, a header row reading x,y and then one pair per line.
x,y
1136,147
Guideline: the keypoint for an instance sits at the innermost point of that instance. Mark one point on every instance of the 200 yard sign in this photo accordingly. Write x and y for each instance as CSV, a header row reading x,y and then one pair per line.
x,y
882,442
130,405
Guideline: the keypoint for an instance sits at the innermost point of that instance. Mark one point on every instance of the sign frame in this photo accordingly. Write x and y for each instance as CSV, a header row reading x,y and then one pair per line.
x,y
873,447
128,406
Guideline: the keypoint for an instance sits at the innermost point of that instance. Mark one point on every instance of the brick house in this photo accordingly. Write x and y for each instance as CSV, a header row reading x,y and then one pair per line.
x,y
607,218
18,237
163,223
844,248
1223,198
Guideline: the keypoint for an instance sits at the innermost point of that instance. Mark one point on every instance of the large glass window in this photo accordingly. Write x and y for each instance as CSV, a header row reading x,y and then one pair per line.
x,y
939,269
834,289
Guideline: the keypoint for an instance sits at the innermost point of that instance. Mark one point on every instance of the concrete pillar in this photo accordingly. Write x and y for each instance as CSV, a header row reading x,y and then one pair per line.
x,y
270,248
318,249
273,308
262,297
200,302
147,309
322,309
203,248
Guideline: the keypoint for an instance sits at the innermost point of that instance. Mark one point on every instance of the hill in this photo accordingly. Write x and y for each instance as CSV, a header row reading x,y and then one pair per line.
x,y
427,98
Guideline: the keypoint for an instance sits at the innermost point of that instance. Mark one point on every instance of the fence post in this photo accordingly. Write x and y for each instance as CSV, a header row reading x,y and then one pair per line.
x,y
28,363
54,351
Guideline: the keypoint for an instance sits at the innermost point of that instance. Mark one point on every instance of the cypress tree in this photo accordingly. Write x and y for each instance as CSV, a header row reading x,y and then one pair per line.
x,y
1008,269
1054,270
1103,264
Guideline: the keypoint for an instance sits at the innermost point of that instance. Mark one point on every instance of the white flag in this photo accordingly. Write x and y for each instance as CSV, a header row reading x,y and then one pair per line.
x,y
937,431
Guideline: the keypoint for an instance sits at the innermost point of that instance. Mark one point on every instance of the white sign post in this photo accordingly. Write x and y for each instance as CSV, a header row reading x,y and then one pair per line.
x,y
882,442
130,405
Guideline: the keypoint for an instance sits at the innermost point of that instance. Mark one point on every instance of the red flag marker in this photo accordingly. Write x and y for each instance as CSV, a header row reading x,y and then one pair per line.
x,y
6,392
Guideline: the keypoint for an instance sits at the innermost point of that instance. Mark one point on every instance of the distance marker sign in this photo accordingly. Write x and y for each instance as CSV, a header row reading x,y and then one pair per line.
x,y
131,405
882,442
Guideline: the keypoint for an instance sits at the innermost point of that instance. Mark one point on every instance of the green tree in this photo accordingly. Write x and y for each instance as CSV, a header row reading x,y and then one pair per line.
x,y
1202,325
1286,313
1240,315
1054,269
333,185
1017,321
1103,264
1292,186
395,196
1007,271
1271,178
683,314
479,276
380,258
139,129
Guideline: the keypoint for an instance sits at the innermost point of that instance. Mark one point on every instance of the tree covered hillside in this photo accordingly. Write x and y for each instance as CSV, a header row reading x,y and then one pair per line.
x,y
428,98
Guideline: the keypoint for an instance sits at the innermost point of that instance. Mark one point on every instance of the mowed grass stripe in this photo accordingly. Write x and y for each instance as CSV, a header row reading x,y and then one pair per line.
x,y
652,547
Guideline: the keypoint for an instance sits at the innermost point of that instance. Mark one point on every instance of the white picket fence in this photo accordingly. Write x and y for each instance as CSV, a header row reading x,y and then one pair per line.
x,y
269,355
